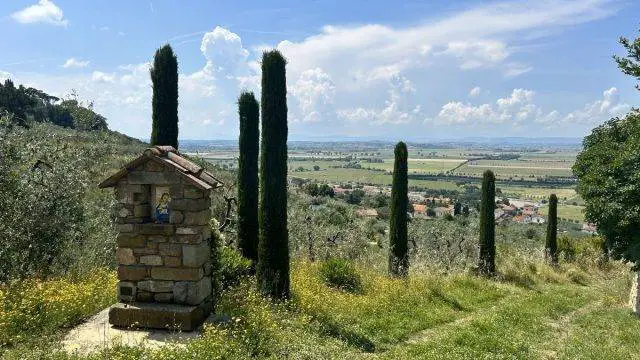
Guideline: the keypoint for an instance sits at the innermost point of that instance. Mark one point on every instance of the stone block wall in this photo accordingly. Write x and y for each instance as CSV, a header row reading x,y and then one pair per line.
x,y
162,263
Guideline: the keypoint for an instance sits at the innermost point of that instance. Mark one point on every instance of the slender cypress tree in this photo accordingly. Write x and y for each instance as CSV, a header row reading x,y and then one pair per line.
x,y
398,257
273,245
551,247
487,262
249,114
164,76
457,208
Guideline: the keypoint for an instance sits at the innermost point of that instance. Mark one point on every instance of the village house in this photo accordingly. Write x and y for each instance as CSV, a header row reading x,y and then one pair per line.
x,y
367,212
442,211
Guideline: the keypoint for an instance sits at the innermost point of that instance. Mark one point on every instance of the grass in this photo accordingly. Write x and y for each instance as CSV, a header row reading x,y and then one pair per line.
x,y
30,309
529,311
565,211
537,193
364,176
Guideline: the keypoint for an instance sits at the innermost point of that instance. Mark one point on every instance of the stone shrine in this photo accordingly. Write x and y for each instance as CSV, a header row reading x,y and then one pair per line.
x,y
163,245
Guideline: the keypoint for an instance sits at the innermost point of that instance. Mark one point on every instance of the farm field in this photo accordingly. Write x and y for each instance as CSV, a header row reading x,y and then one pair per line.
x,y
569,212
364,176
372,163
538,193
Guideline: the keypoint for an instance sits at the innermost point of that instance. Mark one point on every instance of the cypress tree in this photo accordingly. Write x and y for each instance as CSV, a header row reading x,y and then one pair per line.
x,y
551,247
249,114
273,245
164,76
398,258
457,208
487,262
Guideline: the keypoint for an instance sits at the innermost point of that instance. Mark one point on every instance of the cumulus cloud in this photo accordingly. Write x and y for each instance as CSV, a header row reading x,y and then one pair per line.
x,y
599,110
475,91
515,108
75,63
400,107
314,91
45,11
223,51
101,77
519,108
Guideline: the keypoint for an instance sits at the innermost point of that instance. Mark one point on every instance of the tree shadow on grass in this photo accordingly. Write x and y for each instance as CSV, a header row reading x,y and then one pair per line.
x,y
438,295
331,328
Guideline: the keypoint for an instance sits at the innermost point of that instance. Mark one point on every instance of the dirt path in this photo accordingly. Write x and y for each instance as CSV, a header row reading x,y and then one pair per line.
x,y
563,329
427,334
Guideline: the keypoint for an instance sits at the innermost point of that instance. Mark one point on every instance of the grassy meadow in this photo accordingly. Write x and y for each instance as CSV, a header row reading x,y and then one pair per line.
x,y
529,311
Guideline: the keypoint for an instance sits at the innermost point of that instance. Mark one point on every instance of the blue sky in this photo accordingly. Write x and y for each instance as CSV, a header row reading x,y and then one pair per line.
x,y
370,69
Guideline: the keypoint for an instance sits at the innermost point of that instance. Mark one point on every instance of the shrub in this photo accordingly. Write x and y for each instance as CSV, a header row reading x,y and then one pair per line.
x,y
341,274
233,267
530,233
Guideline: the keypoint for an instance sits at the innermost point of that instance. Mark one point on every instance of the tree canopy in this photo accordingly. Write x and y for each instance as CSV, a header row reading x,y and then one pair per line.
x,y
630,64
608,171
27,105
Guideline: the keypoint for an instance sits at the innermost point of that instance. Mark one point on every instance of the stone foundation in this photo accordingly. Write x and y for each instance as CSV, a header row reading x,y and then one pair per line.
x,y
159,316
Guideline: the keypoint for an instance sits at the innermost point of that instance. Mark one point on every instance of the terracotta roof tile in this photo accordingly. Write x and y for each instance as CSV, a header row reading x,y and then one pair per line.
x,y
167,155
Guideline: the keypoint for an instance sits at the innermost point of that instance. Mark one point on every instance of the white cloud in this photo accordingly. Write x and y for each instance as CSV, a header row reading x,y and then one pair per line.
x,y
4,75
101,77
598,111
475,54
516,69
400,107
314,90
516,108
45,11
75,63
471,36
223,51
519,109
343,79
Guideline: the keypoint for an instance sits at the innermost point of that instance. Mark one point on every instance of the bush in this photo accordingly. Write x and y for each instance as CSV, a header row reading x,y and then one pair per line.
x,y
530,233
341,274
233,267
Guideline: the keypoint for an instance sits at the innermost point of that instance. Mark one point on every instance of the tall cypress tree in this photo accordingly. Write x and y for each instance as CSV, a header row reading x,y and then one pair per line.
x,y
164,76
551,247
487,262
249,114
398,257
273,245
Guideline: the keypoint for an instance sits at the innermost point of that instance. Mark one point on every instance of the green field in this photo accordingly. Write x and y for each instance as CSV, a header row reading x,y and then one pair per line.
x,y
570,212
530,165
363,176
515,168
537,193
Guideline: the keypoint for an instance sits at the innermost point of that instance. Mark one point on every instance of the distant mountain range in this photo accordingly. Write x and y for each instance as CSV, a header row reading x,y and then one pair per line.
x,y
500,142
